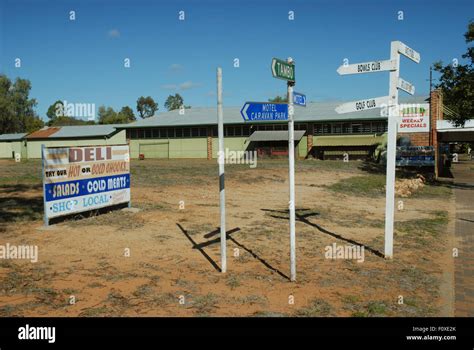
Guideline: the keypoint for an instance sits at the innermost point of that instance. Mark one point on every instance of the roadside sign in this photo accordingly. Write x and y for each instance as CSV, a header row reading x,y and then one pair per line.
x,y
362,105
262,111
78,179
406,86
283,70
367,67
408,52
299,99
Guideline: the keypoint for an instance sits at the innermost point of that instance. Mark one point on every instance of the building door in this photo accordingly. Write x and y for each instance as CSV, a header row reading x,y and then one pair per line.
x,y
154,150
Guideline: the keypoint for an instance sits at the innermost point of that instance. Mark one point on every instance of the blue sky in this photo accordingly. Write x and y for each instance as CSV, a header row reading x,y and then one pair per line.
x,y
82,61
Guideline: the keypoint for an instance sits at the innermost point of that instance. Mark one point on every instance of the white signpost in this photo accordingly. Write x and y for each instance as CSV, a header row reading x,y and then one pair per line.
x,y
220,159
362,105
286,70
367,67
396,48
406,86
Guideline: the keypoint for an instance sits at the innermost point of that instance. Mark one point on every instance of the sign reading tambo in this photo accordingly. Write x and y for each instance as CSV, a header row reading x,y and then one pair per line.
x,y
283,70
78,179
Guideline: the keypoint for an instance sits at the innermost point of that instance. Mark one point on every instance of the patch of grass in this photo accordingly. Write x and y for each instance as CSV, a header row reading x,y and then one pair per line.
x,y
252,299
316,308
434,190
366,185
371,309
95,311
204,304
432,226
232,281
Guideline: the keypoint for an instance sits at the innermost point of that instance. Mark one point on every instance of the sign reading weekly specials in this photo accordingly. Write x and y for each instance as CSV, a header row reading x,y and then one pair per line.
x,y
414,118
78,179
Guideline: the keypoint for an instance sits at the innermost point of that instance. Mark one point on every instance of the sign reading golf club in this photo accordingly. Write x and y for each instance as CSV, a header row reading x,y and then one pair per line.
x,y
262,111
299,99
362,105
414,118
283,70
78,179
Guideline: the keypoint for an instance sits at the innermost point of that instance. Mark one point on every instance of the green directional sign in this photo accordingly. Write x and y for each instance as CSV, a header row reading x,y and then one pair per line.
x,y
283,70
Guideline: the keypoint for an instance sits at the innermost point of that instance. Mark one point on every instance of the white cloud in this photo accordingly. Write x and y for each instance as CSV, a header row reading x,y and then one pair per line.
x,y
183,86
176,67
113,33
169,87
188,85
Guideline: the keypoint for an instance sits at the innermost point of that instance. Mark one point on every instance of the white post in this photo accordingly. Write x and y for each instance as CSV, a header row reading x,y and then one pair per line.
x,y
391,151
291,170
220,159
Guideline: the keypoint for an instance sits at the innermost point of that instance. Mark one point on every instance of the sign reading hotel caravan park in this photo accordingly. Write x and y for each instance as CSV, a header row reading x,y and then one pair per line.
x,y
78,179
414,118
261,111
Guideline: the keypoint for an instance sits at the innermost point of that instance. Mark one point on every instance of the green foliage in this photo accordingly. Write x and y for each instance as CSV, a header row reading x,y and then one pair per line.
x,y
278,99
146,107
457,83
174,102
107,115
16,108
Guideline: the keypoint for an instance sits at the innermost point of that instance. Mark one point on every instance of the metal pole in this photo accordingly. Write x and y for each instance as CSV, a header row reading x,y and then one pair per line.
x,y
291,170
220,159
391,151
45,216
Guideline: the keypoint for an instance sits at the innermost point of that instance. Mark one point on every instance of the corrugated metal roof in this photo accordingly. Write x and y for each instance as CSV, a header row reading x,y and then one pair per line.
x,y
64,132
315,111
42,133
12,137
280,135
346,140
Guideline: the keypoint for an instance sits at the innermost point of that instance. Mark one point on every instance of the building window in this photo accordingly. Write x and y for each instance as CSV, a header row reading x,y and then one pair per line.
x,y
318,129
356,128
246,130
366,127
140,133
178,132
326,128
337,128
156,133
186,132
203,132
346,128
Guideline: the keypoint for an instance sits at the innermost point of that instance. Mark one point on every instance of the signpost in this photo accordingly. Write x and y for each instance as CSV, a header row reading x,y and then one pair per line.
x,y
282,69
79,179
396,83
406,86
220,159
367,67
261,111
299,99
362,105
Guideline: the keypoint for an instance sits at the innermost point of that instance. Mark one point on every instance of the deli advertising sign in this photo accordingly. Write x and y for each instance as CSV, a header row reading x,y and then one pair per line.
x,y
414,118
78,179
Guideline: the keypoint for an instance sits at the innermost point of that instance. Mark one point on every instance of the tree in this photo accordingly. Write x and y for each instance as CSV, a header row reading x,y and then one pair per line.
x,y
107,115
174,102
16,107
56,110
126,114
146,106
278,99
457,83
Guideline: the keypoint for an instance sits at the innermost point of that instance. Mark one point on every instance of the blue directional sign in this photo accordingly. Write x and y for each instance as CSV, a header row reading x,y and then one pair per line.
x,y
299,99
262,111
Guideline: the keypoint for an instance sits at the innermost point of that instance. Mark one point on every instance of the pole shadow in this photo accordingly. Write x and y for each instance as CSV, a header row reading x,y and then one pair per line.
x,y
201,246
304,219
